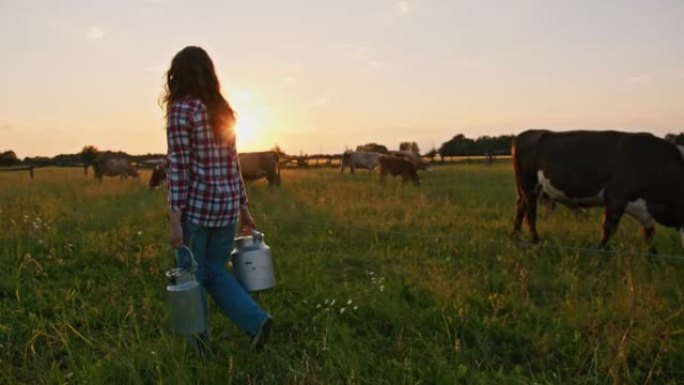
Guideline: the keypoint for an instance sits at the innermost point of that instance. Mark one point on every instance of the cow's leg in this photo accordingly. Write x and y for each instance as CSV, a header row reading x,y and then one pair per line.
x,y
383,175
414,177
611,219
351,169
639,210
526,205
531,216
521,209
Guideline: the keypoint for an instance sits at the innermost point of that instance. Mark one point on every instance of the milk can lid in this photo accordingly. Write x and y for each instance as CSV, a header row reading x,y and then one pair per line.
x,y
246,241
180,274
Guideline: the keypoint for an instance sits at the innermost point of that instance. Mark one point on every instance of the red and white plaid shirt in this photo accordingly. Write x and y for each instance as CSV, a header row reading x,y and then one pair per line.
x,y
205,183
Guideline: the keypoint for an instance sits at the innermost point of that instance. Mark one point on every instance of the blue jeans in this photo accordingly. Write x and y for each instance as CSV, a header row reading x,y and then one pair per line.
x,y
211,247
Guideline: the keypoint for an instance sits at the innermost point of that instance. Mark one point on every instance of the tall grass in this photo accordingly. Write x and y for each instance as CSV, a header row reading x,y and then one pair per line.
x,y
393,285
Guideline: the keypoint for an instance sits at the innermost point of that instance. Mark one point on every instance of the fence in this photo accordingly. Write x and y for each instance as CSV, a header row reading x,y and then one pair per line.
x,y
30,168
334,160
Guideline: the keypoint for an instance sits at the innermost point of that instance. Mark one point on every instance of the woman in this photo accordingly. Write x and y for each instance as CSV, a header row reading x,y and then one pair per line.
x,y
206,192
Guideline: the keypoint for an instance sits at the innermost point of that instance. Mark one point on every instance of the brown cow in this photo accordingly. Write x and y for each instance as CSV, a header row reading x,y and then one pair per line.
x,y
257,165
120,167
159,176
395,165
414,157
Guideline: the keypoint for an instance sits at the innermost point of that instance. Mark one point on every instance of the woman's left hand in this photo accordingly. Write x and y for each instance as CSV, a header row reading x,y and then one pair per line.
x,y
247,224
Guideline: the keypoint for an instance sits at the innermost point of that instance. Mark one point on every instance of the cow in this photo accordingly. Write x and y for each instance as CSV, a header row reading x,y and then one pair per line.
x,y
396,165
358,159
257,165
414,157
159,176
113,166
634,173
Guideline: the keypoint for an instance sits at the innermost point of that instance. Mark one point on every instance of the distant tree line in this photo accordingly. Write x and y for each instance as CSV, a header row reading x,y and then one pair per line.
x,y
459,145
87,156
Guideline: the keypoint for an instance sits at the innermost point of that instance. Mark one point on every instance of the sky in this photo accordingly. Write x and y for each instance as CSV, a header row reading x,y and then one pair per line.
x,y
320,76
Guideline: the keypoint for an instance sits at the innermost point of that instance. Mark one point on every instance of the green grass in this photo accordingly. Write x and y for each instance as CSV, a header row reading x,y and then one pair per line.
x,y
394,285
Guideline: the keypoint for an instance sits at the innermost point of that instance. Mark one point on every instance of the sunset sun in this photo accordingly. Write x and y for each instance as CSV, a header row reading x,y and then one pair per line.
x,y
250,128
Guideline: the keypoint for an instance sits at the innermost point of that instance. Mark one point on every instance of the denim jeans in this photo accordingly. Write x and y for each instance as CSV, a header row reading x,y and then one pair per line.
x,y
211,247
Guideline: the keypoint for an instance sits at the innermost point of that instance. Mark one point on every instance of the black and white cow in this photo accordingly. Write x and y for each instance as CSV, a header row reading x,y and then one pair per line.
x,y
634,173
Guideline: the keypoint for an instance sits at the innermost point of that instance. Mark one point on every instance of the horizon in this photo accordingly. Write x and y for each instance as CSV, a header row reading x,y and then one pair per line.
x,y
319,78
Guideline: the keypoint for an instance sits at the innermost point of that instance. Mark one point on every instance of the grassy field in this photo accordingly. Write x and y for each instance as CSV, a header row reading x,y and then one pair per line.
x,y
374,286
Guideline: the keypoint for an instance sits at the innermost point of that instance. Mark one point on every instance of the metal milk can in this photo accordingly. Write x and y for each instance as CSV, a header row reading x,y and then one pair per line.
x,y
252,262
184,294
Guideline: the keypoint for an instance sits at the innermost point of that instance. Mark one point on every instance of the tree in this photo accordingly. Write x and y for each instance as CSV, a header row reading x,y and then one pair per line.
x,y
459,145
677,139
88,157
432,153
409,146
372,147
8,158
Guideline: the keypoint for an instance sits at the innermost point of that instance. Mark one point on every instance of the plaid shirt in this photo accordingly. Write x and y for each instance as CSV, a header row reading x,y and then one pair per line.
x,y
205,182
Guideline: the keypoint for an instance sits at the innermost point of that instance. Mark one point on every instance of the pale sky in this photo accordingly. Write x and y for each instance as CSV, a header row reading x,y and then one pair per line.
x,y
321,75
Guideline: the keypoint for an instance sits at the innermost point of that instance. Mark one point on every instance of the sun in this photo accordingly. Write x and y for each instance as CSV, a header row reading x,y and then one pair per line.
x,y
250,129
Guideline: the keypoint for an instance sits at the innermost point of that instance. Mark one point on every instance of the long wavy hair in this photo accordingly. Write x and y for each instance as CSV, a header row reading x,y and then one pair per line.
x,y
192,75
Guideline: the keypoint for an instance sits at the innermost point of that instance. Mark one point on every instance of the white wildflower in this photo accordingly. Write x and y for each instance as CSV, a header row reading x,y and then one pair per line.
x,y
342,309
382,287
332,302
349,302
355,308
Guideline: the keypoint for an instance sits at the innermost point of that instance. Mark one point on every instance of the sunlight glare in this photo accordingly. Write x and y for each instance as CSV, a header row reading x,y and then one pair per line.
x,y
251,128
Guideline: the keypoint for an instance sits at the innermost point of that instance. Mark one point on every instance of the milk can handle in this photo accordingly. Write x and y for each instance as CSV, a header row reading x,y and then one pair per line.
x,y
192,259
257,236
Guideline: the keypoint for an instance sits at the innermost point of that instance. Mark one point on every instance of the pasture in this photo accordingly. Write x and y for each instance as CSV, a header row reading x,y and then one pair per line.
x,y
374,286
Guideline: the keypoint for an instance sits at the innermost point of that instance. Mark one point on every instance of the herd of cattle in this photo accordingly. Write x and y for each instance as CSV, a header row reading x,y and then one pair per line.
x,y
637,174
266,164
